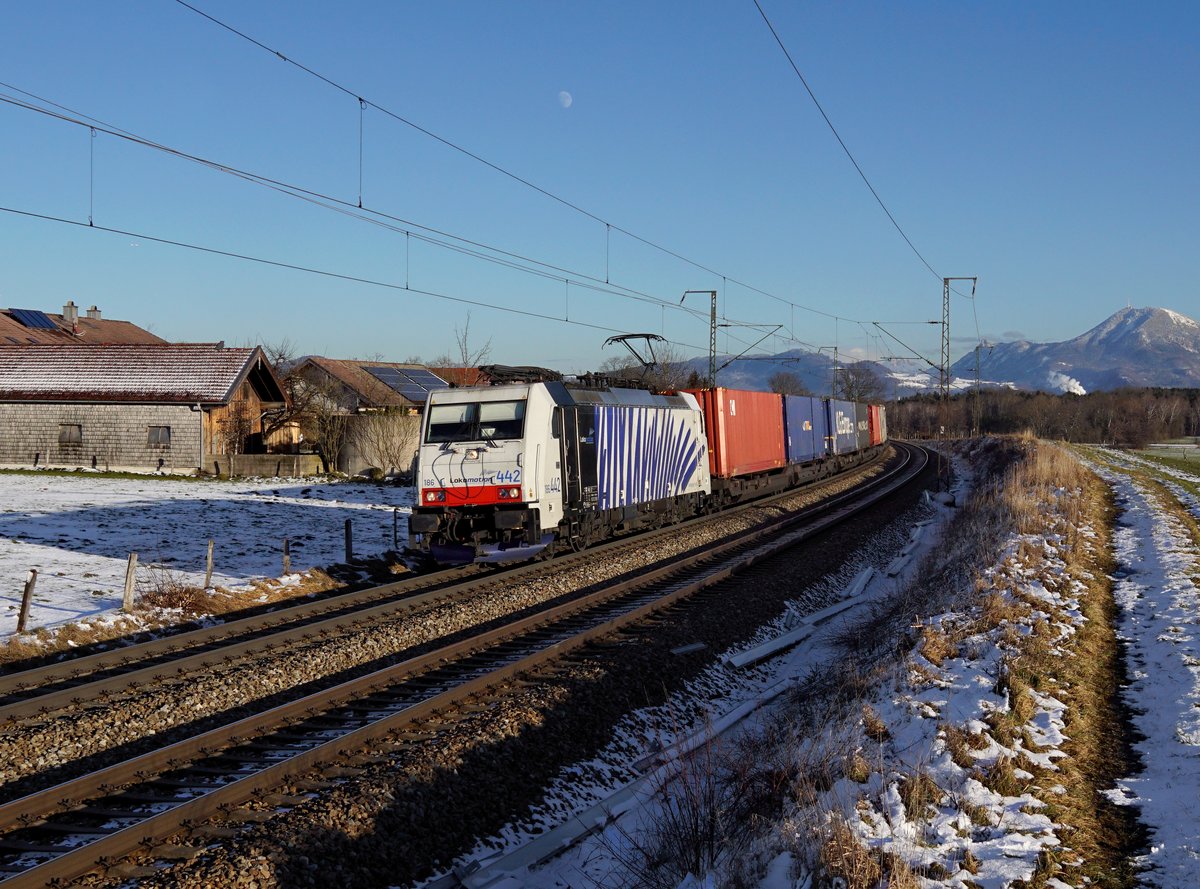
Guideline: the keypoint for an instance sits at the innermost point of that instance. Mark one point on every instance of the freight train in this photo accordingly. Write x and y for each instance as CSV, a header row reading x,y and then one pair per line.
x,y
508,472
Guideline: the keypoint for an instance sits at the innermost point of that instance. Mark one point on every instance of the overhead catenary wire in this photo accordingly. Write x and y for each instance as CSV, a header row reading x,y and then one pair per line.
x,y
297,191
465,246
609,226
473,248
841,141
354,279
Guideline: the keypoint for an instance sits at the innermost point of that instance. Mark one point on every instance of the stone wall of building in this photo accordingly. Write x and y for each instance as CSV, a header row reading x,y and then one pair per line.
x,y
103,436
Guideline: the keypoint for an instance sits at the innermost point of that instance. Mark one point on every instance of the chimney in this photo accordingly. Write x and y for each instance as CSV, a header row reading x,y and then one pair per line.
x,y
93,313
71,315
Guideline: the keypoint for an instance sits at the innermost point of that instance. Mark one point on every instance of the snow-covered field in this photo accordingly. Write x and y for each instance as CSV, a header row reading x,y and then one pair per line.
x,y
79,530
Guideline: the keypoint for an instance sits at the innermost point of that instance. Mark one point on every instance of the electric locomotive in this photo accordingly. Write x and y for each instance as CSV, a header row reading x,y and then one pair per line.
x,y
508,471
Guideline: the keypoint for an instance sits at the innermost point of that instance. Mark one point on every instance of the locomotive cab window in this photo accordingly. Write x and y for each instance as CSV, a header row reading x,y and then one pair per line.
x,y
501,419
451,422
475,421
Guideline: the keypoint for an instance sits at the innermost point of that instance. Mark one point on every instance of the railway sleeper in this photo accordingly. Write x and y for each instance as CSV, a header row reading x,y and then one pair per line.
x,y
247,816
174,852
214,832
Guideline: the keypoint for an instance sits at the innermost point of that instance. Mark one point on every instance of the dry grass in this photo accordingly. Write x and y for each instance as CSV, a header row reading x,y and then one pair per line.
x,y
857,769
1001,777
843,855
1040,491
937,645
959,743
873,726
919,792
997,608
969,862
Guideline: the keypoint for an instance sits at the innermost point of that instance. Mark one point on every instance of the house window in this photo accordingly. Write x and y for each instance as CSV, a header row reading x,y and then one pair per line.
x,y
158,435
70,434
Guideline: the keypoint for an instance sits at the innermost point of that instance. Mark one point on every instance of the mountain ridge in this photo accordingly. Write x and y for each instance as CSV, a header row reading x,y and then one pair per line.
x,y
1135,347
1138,347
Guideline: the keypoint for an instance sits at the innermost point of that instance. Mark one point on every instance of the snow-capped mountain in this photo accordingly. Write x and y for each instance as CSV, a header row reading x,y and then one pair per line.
x,y
1135,347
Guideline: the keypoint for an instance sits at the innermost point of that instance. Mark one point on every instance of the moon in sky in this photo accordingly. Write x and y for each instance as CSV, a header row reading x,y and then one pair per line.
x,y
565,99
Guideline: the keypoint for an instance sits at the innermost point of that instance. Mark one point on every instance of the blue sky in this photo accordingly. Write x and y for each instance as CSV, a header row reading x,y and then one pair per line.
x,y
1049,149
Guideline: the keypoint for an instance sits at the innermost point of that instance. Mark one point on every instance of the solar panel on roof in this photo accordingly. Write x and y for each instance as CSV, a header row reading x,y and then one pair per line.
x,y
425,378
412,383
33,318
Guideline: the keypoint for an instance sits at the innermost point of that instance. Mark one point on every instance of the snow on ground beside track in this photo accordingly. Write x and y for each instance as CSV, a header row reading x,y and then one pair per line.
x,y
1160,607
1003,850
973,835
78,531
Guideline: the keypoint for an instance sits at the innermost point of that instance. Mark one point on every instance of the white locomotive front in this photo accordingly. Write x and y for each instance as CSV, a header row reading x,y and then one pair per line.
x,y
506,471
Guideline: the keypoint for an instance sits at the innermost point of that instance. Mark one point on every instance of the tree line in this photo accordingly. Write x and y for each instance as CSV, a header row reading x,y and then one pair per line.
x,y
1124,417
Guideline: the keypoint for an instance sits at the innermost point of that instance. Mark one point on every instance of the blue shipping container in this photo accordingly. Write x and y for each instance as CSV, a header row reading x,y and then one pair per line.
x,y
821,427
841,426
799,426
862,426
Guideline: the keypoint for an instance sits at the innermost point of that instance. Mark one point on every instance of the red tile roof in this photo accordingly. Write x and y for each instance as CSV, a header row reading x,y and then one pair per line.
x,y
175,373
91,331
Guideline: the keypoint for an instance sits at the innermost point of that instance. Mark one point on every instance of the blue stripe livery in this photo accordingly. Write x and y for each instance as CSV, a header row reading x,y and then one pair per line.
x,y
643,453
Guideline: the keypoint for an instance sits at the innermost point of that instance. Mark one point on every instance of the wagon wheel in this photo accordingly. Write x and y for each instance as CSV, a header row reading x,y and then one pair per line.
x,y
582,539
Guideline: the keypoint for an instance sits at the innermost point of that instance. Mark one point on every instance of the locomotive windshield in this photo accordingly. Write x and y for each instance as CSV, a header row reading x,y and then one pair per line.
x,y
475,421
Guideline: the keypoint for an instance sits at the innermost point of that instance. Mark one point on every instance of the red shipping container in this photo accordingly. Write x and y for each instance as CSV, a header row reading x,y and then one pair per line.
x,y
876,424
745,430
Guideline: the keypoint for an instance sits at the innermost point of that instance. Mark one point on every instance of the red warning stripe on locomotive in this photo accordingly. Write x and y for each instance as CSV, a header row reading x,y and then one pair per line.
x,y
482,495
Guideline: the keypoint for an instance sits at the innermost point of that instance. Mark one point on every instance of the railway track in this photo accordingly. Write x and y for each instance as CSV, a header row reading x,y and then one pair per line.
x,y
37,691
67,830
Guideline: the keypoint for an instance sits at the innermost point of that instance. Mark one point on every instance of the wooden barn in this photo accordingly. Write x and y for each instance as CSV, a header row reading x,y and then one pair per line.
x,y
171,407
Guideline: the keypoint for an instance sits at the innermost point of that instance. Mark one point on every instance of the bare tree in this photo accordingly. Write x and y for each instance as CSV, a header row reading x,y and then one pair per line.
x,y
859,382
387,439
466,354
325,421
234,427
787,383
297,391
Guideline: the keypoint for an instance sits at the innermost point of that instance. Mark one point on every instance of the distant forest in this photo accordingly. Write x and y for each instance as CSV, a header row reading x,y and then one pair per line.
x,y
1126,417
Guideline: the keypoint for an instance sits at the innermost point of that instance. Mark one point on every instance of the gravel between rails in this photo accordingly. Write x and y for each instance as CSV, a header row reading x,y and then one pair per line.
x,y
39,753
428,801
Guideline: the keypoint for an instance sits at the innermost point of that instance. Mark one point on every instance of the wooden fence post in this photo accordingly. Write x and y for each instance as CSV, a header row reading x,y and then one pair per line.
x,y
26,600
395,528
208,566
130,575
349,543
287,556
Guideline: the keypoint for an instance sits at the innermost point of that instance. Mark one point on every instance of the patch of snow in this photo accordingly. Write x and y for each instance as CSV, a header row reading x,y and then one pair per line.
x,y
78,531
1160,607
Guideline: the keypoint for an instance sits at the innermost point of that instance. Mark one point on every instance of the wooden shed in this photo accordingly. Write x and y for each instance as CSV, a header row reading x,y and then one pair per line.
x,y
151,406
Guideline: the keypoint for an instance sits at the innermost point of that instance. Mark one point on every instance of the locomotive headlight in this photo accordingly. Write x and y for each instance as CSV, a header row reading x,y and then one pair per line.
x,y
503,494
435,496
514,493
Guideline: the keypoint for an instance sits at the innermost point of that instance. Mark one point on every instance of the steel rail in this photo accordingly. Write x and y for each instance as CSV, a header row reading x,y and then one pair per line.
x,y
84,858
81,859
103,674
